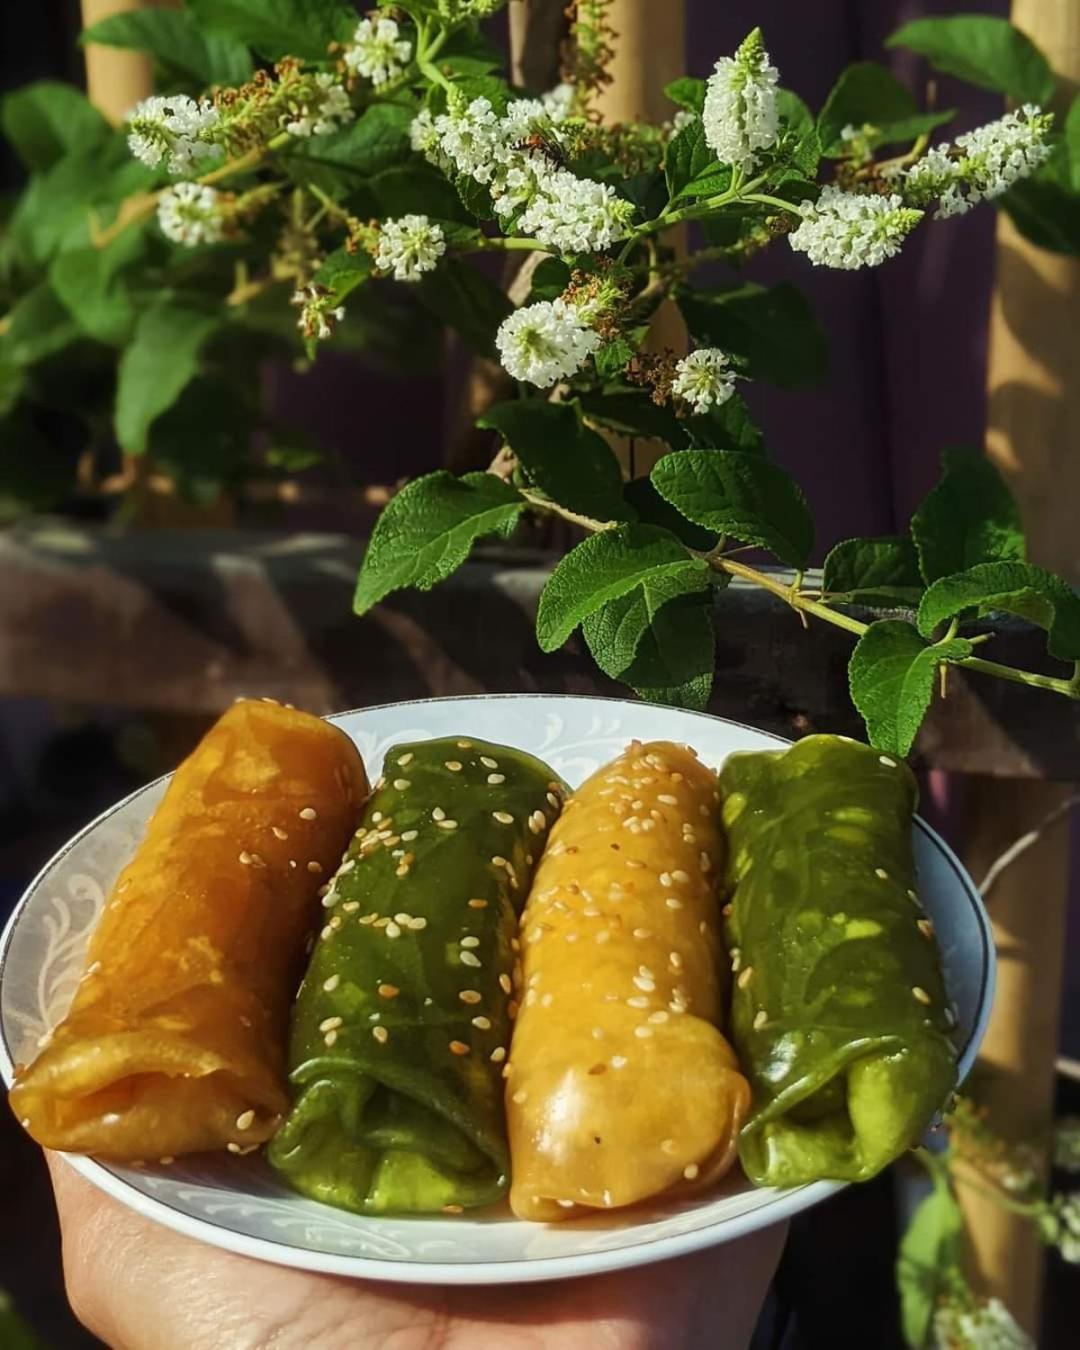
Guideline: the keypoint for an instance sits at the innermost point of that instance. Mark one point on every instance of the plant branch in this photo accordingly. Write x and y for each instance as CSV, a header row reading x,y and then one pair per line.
x,y
544,503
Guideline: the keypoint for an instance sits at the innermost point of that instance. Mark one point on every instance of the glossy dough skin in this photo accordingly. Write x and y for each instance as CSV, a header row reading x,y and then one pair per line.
x,y
175,1040
400,1029
839,1010
621,1085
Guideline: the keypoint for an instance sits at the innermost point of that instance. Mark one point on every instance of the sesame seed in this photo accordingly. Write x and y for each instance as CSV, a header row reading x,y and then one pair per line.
x,y
637,805
233,1148
392,930
690,1171
483,1023
314,867
745,976
402,870
470,996
667,1145
388,991
520,1096
400,784
547,1000
406,759
330,1038
667,799
680,876
458,1048
464,745
454,765
925,927
495,778
706,862
497,860
760,1018
504,984
673,902
478,904
912,896
728,910
665,878
447,824
881,874
383,922
658,1017
380,1034
633,862
403,919
889,763
245,1120
418,924
278,832
389,840
470,942
329,1023
643,983
530,998
245,858
407,836
376,817
488,762
920,994
332,983
642,1032
453,1209
498,1054
470,959
326,932
553,800
308,813
604,935
638,1001
618,1061
503,817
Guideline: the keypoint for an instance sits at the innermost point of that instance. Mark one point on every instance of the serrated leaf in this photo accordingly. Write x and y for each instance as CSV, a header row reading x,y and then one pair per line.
x,y
614,631
869,94
687,92
47,120
929,1256
799,142
603,568
985,51
175,40
891,675
882,573
728,426
652,509
563,458
277,28
467,301
687,157
377,140
613,357
740,495
341,272
633,412
549,279
202,441
1011,588
417,188
968,517
162,357
674,647
90,284
714,179
772,328
427,531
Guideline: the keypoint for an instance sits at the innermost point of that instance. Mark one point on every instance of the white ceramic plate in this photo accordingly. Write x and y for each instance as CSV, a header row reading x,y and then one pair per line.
x,y
239,1204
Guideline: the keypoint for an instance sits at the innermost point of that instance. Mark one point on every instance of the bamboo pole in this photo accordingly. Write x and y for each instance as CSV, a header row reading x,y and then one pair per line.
x,y
1033,433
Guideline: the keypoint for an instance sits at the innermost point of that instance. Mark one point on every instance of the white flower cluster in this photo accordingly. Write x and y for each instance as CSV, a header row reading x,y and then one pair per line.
x,y
326,108
989,1327
1066,1221
507,154
981,164
377,51
176,129
1067,1144
704,379
850,229
545,342
740,116
318,314
409,246
189,213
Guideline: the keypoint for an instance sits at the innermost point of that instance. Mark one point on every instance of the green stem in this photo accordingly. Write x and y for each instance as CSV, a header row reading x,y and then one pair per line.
x,y
1029,1209
488,243
765,200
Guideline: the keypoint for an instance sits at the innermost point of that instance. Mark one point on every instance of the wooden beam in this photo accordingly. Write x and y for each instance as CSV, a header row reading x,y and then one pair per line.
x,y
116,79
1034,428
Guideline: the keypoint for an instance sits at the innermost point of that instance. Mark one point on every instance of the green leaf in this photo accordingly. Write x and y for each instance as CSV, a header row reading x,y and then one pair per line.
x,y
39,326
48,120
418,188
985,51
726,427
633,412
467,301
662,646
687,92
740,495
202,441
341,272
868,94
377,140
427,531
882,573
929,1256
603,568
968,517
772,328
550,278
1045,207
613,357
161,359
652,509
177,43
277,28
688,157
91,284
1012,588
891,675
566,460
799,142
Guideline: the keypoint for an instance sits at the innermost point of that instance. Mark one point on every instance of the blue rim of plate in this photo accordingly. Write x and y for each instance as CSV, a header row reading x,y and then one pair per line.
x,y
781,1203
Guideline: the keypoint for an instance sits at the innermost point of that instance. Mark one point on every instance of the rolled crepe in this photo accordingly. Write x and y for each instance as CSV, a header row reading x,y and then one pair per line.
x,y
400,1029
839,1011
176,1037
622,1086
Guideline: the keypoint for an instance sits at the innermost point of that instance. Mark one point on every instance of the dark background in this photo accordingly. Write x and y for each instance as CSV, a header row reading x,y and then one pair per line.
x,y
907,377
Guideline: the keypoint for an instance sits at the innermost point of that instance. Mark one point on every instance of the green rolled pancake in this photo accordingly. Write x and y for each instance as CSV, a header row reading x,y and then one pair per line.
x,y
839,1010
401,1025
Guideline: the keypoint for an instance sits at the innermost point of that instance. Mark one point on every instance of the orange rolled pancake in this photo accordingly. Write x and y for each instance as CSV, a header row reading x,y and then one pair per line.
x,y
620,1084
175,1040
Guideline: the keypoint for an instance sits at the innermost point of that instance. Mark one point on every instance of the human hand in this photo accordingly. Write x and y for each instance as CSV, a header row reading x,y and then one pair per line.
x,y
139,1286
